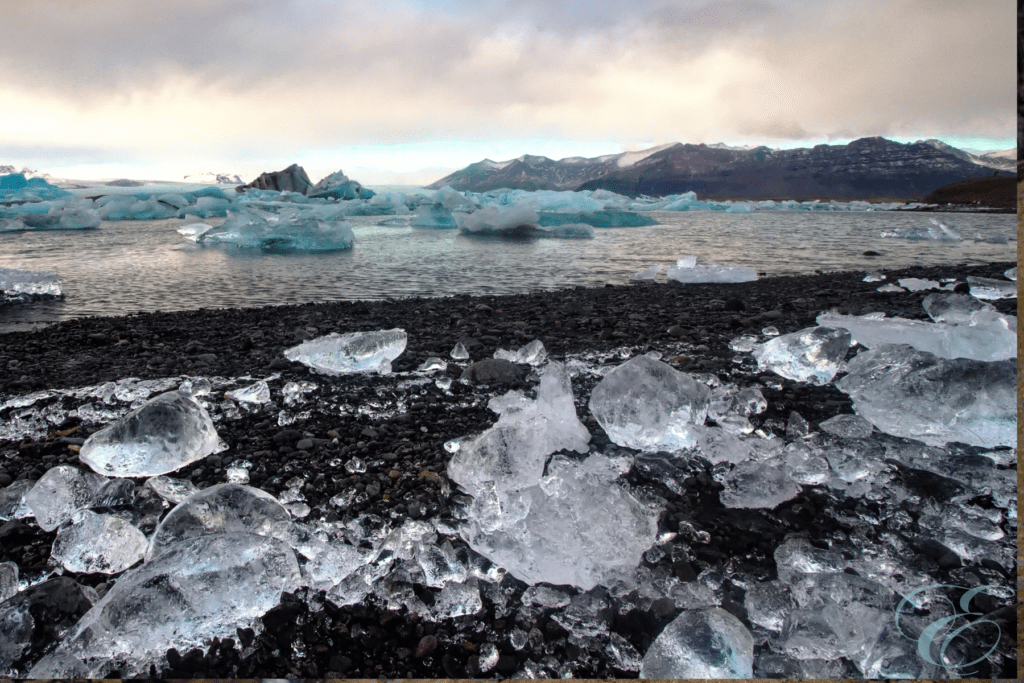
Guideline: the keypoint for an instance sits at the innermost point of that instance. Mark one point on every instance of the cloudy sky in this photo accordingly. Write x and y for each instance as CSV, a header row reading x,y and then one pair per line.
x,y
405,91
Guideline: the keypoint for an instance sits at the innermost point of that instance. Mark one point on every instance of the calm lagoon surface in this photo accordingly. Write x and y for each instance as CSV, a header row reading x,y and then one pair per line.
x,y
134,266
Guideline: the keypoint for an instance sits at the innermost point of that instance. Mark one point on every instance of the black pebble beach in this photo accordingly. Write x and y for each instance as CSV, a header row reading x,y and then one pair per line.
x,y
308,637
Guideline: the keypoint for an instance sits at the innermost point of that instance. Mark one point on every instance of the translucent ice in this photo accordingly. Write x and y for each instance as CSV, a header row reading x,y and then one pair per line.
x,y
874,277
645,275
26,283
254,393
427,216
915,284
533,353
649,405
891,289
221,509
987,288
60,492
459,352
711,273
57,604
987,336
708,643
309,229
8,580
758,484
172,490
457,600
163,435
768,604
811,355
687,261
918,395
1011,274
199,589
93,543
847,426
954,308
351,353
12,500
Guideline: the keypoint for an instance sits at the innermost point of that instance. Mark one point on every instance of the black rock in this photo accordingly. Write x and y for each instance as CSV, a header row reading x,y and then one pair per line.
x,y
492,371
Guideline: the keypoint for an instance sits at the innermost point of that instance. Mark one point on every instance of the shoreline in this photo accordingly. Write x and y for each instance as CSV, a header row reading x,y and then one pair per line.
x,y
401,441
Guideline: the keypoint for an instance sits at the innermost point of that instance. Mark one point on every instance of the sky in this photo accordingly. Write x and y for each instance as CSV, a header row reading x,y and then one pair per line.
x,y
406,91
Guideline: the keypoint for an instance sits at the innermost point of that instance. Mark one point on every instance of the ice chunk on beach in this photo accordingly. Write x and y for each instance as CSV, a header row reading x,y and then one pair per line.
x,y
511,454
199,589
254,393
645,275
917,395
711,273
533,353
60,492
1011,274
56,603
351,353
12,500
8,580
758,484
459,352
987,288
988,335
575,527
916,284
890,289
164,434
221,509
686,261
649,405
812,355
955,308
16,283
94,543
706,643
874,277
172,490
847,426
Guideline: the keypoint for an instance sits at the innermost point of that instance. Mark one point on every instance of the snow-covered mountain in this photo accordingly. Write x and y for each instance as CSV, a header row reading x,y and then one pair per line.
x,y
863,169
210,178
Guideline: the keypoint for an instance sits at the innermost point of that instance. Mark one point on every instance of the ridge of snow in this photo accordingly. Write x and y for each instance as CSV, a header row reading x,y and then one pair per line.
x,y
629,158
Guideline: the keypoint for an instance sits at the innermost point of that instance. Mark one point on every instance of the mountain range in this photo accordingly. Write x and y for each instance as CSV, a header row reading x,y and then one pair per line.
x,y
867,168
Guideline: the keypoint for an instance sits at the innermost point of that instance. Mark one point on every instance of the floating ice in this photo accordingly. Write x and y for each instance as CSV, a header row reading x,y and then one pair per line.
x,y
711,273
163,435
493,219
645,275
427,216
955,308
533,353
351,353
23,284
199,589
685,262
987,336
221,509
811,355
254,393
987,288
311,229
936,231
194,231
847,426
60,492
917,395
708,643
649,405
93,543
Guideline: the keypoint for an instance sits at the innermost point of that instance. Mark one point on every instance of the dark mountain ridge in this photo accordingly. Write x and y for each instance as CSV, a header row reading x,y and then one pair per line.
x,y
867,168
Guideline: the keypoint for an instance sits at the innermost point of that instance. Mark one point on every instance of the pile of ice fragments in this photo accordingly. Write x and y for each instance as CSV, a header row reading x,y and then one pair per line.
x,y
550,509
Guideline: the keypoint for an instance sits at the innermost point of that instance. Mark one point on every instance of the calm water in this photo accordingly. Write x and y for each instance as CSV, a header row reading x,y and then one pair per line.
x,y
132,266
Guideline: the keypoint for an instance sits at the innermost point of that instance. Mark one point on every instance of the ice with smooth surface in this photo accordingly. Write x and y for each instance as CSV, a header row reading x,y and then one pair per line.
x,y
533,353
847,426
812,355
12,500
94,543
351,353
954,308
172,490
917,395
14,283
254,393
459,352
711,273
916,284
987,336
164,434
60,492
649,405
707,643
221,509
645,275
758,484
199,589
312,228
987,288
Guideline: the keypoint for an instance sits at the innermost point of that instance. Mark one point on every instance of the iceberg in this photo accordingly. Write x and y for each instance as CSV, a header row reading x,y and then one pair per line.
x,y
292,229
707,643
516,220
337,185
649,405
15,187
177,602
427,216
811,355
599,219
986,336
351,353
164,434
20,285
918,395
